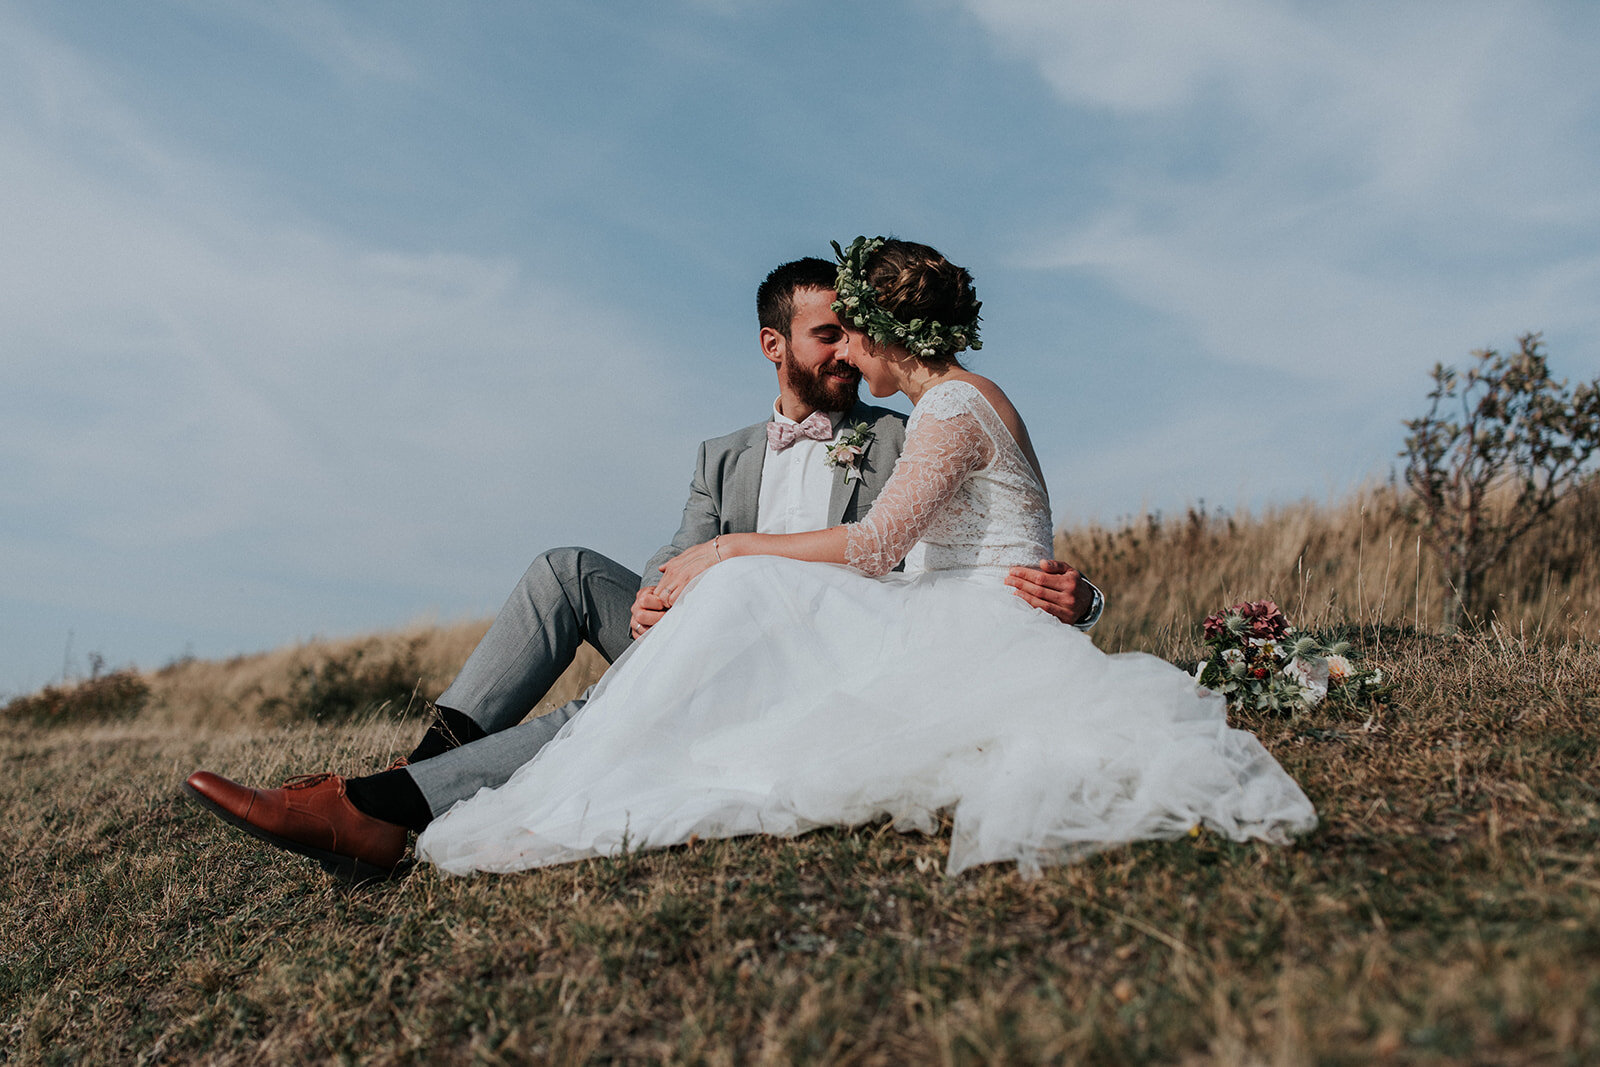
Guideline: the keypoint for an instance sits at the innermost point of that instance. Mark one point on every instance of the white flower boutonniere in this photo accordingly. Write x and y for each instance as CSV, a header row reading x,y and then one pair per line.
x,y
848,448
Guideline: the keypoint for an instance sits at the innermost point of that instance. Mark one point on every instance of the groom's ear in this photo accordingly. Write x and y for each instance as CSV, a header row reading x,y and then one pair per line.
x,y
773,345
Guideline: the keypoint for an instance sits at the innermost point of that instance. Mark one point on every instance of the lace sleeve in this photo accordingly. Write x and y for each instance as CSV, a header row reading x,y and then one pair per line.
x,y
942,448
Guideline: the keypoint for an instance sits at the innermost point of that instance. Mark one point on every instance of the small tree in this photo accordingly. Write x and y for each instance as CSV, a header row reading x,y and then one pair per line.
x,y
1497,448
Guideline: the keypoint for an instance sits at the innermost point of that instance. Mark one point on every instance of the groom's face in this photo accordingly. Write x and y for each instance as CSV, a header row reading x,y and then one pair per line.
x,y
812,375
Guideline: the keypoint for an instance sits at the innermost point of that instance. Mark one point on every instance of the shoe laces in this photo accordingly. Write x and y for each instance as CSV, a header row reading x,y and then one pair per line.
x,y
307,781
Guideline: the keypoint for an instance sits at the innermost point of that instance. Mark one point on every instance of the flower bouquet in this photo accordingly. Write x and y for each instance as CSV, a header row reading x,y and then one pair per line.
x,y
1256,660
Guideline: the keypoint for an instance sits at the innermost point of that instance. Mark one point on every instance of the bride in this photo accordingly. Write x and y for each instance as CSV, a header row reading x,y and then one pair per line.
x,y
799,683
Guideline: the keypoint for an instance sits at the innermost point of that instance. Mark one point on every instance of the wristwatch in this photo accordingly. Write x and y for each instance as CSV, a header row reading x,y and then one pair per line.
x,y
1096,606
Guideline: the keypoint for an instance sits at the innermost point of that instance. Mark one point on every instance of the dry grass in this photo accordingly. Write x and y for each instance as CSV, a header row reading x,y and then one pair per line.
x,y
1446,910
211,695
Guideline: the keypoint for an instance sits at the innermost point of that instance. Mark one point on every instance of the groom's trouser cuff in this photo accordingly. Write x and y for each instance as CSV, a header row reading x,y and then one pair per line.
x,y
488,762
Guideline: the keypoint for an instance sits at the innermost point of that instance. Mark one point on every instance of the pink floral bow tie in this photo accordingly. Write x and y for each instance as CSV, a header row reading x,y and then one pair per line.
x,y
817,426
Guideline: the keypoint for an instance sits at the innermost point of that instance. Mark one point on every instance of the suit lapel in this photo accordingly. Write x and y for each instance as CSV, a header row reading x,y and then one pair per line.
x,y
742,491
840,496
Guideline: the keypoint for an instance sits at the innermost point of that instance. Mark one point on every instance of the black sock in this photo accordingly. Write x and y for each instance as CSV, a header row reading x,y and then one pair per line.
x,y
392,796
449,729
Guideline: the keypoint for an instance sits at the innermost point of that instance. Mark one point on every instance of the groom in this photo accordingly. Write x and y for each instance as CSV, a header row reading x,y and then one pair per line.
x,y
772,477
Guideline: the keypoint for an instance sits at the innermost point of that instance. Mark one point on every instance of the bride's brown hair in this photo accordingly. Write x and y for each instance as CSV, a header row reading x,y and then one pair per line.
x,y
914,281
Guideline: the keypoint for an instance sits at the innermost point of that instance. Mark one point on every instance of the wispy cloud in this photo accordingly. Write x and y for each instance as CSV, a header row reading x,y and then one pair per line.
x,y
323,32
208,403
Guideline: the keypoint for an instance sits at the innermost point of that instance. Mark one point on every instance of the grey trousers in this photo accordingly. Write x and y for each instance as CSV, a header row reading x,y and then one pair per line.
x,y
568,596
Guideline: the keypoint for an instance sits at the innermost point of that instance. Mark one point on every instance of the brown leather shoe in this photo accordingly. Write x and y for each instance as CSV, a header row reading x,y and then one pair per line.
x,y
309,815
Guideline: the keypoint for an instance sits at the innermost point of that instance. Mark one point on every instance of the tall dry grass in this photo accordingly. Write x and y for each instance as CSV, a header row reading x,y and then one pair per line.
x,y
1359,561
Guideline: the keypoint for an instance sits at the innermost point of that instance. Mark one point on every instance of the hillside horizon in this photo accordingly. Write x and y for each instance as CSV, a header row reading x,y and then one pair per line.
x,y
1355,562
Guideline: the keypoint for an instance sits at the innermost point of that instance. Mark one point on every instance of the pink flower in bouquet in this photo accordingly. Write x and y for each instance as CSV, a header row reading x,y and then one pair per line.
x,y
1264,619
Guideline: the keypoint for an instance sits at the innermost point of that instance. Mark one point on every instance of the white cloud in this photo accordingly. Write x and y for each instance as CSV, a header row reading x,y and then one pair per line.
x,y
1141,56
1376,181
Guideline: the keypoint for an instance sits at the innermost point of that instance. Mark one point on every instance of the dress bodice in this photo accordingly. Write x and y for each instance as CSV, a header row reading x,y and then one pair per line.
x,y
962,492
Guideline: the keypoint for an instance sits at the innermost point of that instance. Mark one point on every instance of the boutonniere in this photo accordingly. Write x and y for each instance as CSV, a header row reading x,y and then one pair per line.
x,y
848,448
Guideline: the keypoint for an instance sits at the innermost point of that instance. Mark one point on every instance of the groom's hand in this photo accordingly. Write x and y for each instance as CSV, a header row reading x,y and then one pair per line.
x,y
648,608
1053,586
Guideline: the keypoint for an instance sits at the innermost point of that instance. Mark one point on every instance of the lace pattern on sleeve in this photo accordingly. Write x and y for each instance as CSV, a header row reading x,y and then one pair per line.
x,y
944,445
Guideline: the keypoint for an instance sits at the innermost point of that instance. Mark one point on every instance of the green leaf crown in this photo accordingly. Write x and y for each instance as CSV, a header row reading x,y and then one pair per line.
x,y
858,303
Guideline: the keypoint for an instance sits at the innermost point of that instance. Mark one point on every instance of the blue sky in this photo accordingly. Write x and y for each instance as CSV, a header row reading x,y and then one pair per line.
x,y
320,318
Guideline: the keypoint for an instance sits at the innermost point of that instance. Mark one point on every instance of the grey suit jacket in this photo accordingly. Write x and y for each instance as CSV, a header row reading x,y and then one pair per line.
x,y
726,488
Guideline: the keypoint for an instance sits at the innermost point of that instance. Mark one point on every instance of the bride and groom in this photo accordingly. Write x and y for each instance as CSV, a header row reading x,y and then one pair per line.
x,y
776,695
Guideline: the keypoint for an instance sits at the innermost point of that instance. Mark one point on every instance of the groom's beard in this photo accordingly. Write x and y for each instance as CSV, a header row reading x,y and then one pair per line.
x,y
821,392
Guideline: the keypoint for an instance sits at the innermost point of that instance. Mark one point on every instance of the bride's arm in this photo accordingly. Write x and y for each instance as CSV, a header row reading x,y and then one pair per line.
x,y
937,459
820,546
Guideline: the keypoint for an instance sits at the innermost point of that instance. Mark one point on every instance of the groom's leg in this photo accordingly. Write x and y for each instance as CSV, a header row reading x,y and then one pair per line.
x,y
568,596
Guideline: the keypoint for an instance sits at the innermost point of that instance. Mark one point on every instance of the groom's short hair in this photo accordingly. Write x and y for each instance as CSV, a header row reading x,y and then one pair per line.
x,y
775,296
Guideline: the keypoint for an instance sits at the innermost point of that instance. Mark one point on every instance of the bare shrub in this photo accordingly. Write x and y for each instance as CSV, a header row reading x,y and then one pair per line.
x,y
1498,448
360,679
103,698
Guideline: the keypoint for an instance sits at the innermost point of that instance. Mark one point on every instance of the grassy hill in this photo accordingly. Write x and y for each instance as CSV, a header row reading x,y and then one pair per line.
x,y
1446,910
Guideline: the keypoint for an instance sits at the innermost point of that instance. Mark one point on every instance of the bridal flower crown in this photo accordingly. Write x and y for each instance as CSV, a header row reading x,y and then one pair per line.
x,y
858,302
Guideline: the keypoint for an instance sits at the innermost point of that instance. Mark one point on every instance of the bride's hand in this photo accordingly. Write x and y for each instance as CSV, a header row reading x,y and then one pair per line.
x,y
680,570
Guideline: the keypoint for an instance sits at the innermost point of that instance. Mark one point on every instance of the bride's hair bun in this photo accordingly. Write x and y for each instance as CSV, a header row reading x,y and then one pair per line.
x,y
913,281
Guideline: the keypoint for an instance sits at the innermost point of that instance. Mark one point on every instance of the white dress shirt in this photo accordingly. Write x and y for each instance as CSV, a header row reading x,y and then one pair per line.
x,y
796,483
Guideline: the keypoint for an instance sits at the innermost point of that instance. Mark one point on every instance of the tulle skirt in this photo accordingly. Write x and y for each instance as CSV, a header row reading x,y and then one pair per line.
x,y
780,696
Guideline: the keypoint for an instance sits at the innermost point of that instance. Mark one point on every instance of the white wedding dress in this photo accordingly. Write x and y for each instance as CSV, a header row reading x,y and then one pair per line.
x,y
780,696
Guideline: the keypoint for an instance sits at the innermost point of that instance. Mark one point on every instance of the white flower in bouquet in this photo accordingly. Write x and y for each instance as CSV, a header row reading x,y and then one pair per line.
x,y
1310,673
